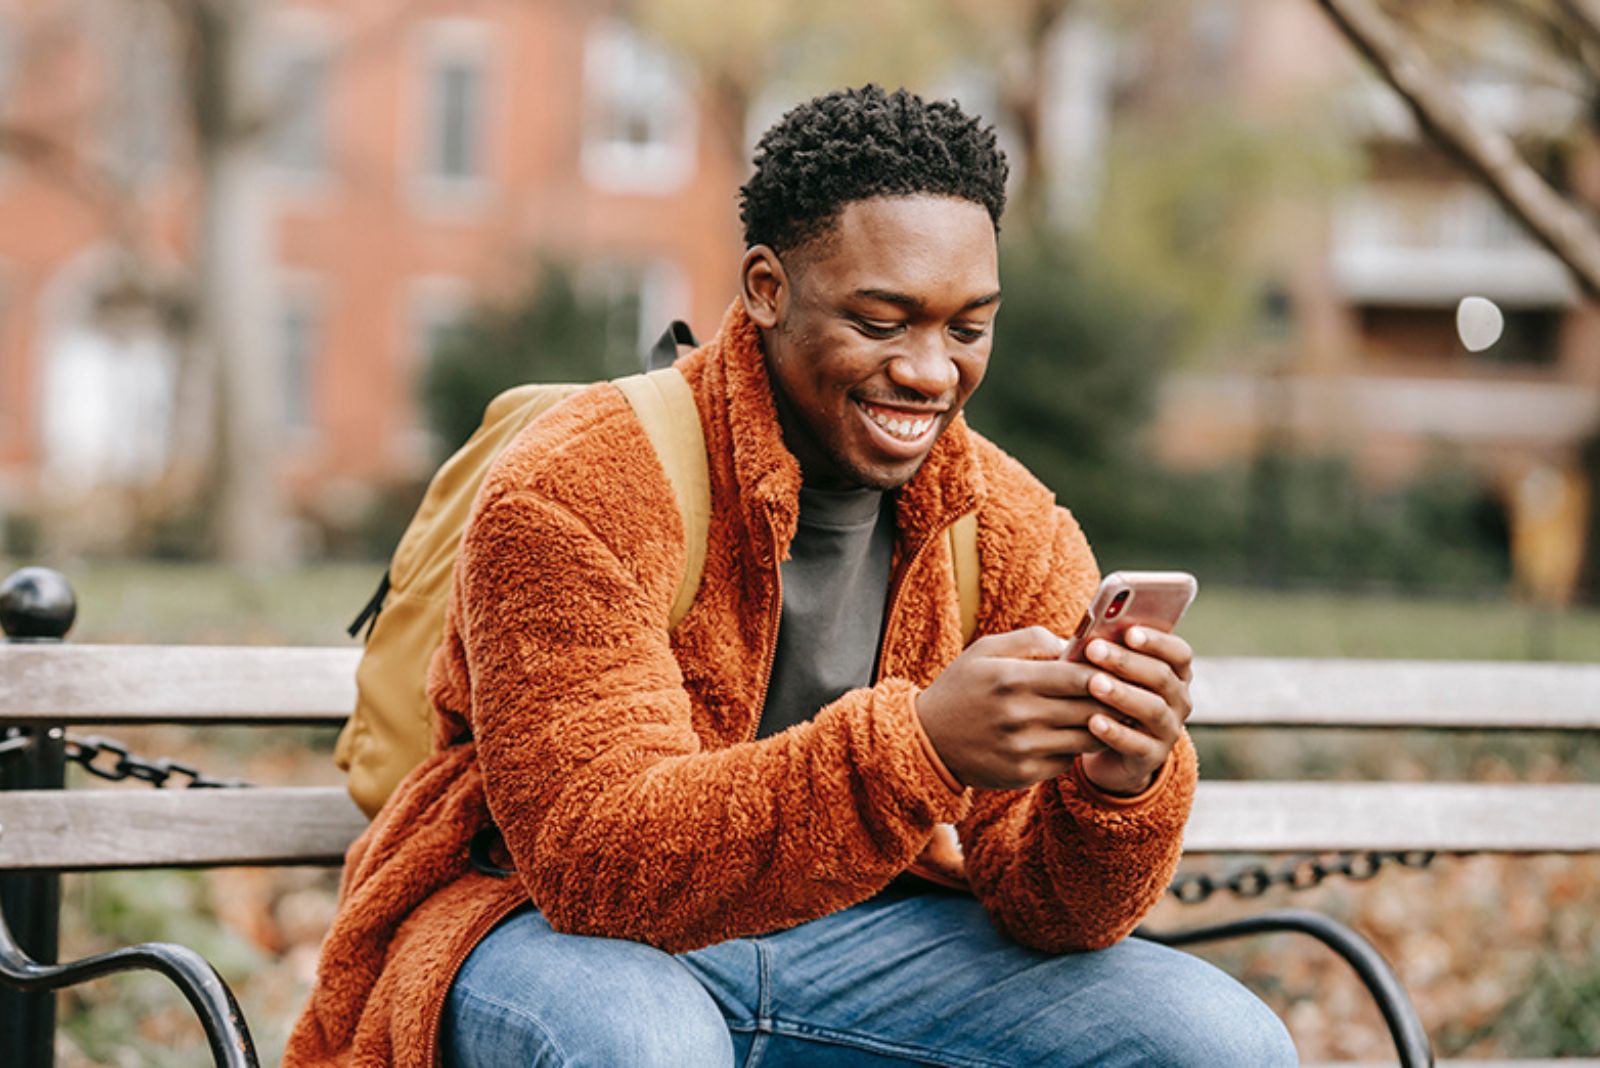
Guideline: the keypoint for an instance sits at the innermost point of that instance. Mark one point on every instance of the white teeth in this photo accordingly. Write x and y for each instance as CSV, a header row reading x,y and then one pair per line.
x,y
910,429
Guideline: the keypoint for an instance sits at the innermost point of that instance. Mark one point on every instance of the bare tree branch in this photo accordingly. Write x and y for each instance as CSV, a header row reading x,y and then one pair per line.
x,y
58,160
1585,14
1571,76
1566,231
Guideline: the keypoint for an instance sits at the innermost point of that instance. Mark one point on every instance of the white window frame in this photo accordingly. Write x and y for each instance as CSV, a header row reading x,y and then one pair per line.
x,y
147,107
301,290
666,162
293,34
436,42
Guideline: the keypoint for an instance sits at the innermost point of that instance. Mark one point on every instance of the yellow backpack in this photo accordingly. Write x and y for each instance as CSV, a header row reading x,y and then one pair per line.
x,y
391,729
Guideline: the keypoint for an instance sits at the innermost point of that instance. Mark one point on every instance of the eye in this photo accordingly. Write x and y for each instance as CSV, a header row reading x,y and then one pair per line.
x,y
879,330
969,334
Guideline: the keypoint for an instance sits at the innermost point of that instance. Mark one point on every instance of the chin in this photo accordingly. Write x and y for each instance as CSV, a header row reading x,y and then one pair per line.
x,y
879,478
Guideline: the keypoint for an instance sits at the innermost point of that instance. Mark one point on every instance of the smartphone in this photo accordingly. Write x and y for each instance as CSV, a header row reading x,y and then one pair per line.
x,y
1155,599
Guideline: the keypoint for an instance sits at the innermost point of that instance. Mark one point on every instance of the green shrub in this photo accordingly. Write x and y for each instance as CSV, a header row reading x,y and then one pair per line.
x,y
550,332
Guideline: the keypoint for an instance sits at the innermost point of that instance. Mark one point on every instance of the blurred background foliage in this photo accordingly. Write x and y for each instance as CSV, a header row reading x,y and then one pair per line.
x,y
551,332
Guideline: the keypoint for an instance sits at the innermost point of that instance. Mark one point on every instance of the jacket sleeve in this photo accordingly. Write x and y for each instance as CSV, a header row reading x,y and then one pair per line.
x,y
619,822
1061,865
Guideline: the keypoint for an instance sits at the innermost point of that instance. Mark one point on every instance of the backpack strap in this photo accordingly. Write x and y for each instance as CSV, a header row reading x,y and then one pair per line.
x,y
665,405
964,555
677,335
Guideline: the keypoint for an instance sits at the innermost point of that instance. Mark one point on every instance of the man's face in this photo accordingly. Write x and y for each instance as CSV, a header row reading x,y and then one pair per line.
x,y
876,332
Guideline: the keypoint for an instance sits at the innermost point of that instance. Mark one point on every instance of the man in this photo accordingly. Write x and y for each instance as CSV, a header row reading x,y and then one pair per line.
x,y
711,828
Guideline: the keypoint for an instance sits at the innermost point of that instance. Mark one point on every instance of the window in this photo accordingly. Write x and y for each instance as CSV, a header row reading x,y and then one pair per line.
x,y
453,149
9,36
141,97
639,118
1422,334
299,339
300,132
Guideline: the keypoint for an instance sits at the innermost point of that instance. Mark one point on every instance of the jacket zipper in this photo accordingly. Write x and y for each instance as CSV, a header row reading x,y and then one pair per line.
x,y
916,867
894,601
435,1012
774,620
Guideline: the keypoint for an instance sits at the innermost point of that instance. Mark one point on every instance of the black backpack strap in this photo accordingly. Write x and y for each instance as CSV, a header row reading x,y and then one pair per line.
x,y
665,351
369,614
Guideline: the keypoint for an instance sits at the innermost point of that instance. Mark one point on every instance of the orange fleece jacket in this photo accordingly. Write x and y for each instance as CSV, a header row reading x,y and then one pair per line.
x,y
619,761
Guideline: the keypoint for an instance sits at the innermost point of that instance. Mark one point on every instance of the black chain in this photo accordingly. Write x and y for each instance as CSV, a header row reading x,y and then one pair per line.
x,y
1298,873
14,742
86,751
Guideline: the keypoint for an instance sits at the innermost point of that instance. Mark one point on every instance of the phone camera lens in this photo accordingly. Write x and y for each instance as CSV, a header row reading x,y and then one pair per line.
x,y
1120,601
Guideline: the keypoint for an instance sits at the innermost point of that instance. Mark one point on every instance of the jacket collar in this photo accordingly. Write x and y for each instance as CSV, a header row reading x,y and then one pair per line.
x,y
767,474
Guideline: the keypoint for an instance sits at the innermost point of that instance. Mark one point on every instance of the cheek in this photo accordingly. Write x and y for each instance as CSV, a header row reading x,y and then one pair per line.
x,y
972,369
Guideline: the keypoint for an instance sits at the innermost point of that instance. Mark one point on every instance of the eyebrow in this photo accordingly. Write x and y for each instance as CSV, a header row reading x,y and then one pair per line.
x,y
910,303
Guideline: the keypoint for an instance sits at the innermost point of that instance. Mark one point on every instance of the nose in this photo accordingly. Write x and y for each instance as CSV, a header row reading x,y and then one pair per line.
x,y
924,366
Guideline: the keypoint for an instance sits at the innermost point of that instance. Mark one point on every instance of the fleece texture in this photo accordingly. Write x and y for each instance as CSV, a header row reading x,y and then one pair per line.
x,y
618,760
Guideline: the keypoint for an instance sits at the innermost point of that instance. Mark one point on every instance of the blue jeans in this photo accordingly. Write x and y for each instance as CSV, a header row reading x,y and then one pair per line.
x,y
911,976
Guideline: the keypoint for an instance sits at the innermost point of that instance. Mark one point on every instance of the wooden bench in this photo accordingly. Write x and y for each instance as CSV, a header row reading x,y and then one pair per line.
x,y
47,687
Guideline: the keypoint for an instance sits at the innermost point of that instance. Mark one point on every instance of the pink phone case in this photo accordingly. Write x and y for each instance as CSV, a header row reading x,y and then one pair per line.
x,y
1155,599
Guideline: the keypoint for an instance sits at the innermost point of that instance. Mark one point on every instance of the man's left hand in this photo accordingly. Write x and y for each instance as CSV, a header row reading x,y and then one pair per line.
x,y
1145,682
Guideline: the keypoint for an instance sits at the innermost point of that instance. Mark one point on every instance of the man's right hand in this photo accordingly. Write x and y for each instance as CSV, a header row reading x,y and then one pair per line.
x,y
1009,712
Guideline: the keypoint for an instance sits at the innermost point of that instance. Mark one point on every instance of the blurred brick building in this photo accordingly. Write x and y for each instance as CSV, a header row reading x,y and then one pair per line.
x,y
425,154
1358,350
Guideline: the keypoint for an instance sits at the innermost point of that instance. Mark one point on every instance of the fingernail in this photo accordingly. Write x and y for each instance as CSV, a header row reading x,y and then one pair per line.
x,y
1098,649
1100,684
1135,637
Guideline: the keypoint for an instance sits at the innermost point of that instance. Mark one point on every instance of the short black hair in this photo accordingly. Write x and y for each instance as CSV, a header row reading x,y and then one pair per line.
x,y
855,144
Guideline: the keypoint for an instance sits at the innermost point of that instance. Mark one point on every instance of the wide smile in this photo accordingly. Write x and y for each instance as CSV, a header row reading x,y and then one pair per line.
x,y
902,434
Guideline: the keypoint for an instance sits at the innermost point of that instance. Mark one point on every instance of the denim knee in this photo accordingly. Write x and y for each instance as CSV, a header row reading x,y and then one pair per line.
x,y
532,999
1213,1024
669,1026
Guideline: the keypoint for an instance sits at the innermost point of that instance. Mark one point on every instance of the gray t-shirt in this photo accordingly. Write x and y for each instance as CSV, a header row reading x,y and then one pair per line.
x,y
835,589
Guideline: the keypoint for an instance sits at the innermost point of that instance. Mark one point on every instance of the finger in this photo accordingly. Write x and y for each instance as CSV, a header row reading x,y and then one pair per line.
x,y
1141,670
1128,741
1158,643
1148,709
1029,643
1053,678
1146,671
1063,742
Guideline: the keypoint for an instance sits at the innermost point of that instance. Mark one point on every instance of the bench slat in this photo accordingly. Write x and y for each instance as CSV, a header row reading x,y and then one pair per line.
x,y
198,684
1259,691
81,830
250,684
89,829
1265,817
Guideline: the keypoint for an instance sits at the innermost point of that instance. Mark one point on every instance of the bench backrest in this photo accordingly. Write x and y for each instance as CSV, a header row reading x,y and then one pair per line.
x,y
71,684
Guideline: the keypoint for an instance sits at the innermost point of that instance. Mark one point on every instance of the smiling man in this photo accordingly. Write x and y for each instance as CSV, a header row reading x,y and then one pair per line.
x,y
809,825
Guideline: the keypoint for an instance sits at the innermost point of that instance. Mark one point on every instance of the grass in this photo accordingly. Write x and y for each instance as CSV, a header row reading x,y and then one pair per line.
x,y
210,604
1237,622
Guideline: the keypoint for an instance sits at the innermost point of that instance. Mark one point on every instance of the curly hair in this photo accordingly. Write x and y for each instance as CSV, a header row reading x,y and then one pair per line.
x,y
854,144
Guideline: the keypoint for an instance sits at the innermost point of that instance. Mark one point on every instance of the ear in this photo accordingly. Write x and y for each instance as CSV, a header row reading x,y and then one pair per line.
x,y
764,286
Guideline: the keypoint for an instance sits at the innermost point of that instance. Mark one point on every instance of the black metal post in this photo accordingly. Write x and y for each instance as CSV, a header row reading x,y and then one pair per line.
x,y
36,605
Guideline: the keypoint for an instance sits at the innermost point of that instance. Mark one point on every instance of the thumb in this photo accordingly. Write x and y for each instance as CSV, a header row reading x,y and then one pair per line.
x,y
1029,643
